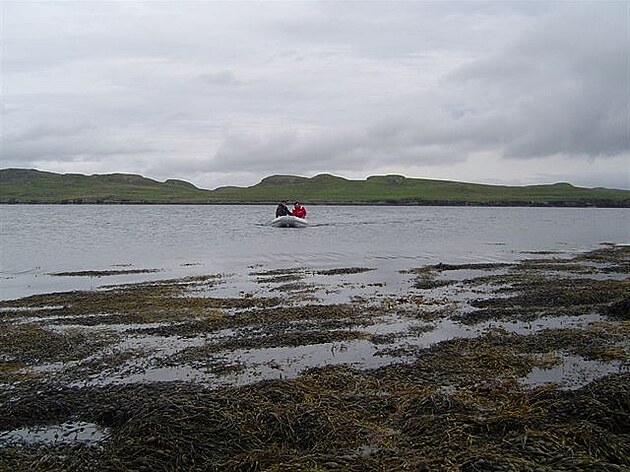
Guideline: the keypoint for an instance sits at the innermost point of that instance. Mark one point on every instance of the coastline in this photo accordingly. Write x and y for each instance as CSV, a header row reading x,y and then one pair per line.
x,y
456,371
542,204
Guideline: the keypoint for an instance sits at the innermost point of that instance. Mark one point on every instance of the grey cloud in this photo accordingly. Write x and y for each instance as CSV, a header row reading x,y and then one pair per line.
x,y
354,148
385,30
74,143
225,77
227,91
282,150
41,35
562,88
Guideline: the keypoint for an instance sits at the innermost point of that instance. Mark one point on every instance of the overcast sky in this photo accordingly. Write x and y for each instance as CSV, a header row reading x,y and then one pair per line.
x,y
226,93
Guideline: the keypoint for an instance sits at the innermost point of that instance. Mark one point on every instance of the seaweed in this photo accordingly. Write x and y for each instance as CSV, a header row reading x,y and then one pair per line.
x,y
457,404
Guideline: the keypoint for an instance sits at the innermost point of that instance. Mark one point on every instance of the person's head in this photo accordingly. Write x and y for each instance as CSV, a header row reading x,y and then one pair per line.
x,y
284,202
296,204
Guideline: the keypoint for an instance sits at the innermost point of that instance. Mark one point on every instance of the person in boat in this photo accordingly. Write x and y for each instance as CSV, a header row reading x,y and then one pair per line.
x,y
282,209
298,210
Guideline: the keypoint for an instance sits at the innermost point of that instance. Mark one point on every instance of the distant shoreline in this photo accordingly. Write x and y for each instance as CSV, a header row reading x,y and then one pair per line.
x,y
567,204
28,186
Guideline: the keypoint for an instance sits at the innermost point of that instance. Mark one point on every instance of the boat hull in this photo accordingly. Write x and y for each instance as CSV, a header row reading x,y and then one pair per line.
x,y
289,221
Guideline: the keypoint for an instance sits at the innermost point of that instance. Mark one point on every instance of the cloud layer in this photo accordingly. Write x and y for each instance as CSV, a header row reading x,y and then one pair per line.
x,y
228,93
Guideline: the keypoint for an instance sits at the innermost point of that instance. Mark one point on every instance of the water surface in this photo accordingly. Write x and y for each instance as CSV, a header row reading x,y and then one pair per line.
x,y
181,240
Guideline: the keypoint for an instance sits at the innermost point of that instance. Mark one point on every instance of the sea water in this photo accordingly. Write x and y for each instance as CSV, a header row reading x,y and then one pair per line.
x,y
37,241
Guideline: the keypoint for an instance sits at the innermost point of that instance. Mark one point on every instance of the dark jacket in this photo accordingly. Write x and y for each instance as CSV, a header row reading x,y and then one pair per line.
x,y
282,210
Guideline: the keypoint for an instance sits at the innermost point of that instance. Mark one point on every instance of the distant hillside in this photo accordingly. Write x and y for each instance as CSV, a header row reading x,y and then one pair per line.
x,y
396,189
31,186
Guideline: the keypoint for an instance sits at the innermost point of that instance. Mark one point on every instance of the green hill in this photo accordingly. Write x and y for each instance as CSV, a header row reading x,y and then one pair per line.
x,y
32,186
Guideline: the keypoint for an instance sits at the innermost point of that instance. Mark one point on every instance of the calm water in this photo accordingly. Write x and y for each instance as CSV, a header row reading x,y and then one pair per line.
x,y
37,240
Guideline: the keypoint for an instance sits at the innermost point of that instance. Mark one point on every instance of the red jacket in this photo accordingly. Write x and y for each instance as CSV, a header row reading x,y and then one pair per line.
x,y
300,212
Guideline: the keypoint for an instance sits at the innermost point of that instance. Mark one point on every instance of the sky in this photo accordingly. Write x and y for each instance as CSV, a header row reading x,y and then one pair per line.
x,y
228,92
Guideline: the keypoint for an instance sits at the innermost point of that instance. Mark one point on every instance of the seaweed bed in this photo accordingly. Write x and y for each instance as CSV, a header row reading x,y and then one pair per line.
x,y
103,273
452,374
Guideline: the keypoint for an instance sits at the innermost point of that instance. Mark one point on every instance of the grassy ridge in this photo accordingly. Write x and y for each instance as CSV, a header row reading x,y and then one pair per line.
x,y
399,189
30,186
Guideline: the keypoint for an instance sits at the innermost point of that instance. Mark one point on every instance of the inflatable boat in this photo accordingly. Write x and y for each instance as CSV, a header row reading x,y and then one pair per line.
x,y
289,221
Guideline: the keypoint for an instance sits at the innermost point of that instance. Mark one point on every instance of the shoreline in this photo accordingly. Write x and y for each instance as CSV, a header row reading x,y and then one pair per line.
x,y
393,203
461,369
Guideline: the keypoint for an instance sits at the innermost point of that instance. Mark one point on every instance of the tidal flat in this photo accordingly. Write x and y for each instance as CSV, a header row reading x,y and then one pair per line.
x,y
519,366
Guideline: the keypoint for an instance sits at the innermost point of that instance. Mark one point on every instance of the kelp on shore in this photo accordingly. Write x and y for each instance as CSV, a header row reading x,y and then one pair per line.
x,y
458,404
